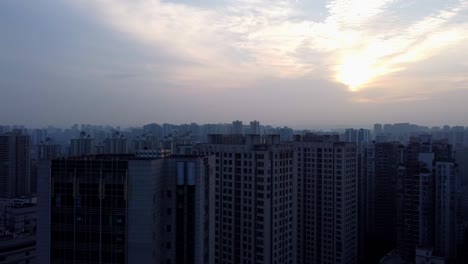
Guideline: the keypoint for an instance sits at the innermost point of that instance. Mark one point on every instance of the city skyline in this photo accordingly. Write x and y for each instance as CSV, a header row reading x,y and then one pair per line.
x,y
234,193
292,62
230,125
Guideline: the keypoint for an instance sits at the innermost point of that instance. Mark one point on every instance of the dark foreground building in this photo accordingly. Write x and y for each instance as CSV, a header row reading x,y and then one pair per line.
x,y
121,209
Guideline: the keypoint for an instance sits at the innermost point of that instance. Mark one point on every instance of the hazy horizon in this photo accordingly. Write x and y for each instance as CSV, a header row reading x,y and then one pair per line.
x,y
312,127
295,63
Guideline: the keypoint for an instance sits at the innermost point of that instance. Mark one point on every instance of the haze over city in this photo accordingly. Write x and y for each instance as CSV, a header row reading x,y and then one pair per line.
x,y
234,131
297,63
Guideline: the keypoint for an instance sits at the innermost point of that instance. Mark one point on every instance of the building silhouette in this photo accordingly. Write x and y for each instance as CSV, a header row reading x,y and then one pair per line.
x,y
84,145
122,209
14,164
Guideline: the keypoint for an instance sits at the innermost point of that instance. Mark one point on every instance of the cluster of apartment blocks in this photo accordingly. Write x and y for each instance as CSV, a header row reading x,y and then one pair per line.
x,y
239,199
413,196
254,200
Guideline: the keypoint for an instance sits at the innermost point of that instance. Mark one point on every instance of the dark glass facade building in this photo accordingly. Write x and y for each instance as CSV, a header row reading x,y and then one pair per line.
x,y
120,209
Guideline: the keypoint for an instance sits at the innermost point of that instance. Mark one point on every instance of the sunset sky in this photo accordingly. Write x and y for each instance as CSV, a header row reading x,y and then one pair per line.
x,y
298,63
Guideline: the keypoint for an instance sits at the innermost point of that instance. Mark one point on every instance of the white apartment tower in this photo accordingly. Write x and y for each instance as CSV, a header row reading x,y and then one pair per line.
x,y
253,199
327,206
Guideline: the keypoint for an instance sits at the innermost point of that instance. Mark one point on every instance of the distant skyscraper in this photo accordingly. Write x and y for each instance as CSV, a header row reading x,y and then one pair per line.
x,y
237,127
457,138
154,129
327,211
378,130
358,136
286,134
14,164
255,127
350,135
47,150
37,136
388,129
84,145
254,199
121,209
145,142
117,144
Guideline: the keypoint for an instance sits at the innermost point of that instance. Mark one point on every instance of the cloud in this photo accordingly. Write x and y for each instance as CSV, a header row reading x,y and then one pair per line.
x,y
245,41
393,49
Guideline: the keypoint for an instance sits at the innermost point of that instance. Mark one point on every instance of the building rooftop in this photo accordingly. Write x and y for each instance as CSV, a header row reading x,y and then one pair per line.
x,y
122,157
22,205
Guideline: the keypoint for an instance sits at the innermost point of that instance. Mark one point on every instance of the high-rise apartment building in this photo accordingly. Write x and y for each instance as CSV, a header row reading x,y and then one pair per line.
x,y
378,130
84,145
428,197
446,190
47,150
327,209
415,218
188,210
145,142
14,164
462,226
117,144
237,127
154,130
358,136
122,209
380,196
461,158
254,205
255,127
457,138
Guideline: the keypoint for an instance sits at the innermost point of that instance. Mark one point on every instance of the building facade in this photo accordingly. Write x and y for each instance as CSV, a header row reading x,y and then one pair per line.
x,y
446,191
327,209
14,164
253,199
380,194
117,144
122,209
84,145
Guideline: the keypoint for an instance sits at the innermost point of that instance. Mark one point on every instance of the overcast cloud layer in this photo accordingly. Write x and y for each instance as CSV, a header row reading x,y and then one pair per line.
x,y
282,62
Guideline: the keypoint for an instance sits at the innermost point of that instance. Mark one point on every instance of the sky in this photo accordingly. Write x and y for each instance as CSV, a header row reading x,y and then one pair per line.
x,y
283,62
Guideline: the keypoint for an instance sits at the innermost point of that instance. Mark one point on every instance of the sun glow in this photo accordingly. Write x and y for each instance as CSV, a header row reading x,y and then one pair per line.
x,y
356,72
361,68
356,44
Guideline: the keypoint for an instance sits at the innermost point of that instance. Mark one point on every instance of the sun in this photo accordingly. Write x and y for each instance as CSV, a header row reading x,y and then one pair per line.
x,y
356,72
